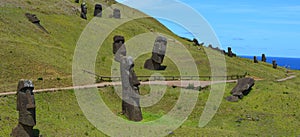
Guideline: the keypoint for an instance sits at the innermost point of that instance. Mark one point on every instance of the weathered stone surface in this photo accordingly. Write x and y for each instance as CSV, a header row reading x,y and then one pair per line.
x,y
83,10
119,48
274,64
130,90
230,54
118,42
34,19
98,10
158,54
117,13
232,98
255,59
263,58
242,89
26,108
196,43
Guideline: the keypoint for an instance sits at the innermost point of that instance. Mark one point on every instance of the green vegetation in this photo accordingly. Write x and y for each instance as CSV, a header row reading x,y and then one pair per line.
x,y
267,110
26,52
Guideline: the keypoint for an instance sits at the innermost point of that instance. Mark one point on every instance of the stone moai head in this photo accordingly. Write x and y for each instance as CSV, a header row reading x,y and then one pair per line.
x,y
274,64
83,10
255,59
263,58
117,13
159,49
98,10
32,18
119,48
230,54
128,75
196,43
26,103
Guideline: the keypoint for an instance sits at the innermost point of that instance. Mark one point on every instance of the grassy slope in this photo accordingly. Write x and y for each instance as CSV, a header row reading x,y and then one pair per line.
x,y
27,52
267,110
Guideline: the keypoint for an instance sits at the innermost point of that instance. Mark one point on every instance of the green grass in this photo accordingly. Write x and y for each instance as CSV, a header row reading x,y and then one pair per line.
x,y
268,110
29,53
26,52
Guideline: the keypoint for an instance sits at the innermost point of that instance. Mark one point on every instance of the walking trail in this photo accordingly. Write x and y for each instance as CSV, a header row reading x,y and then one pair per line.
x,y
105,84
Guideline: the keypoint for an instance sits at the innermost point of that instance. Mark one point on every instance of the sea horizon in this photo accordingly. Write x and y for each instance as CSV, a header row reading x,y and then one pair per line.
x,y
287,62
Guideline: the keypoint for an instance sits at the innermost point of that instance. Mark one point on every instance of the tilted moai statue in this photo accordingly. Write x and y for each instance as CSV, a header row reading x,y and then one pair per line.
x,y
98,10
158,54
34,19
26,108
130,90
119,48
117,13
83,10
263,58
255,59
274,64
230,54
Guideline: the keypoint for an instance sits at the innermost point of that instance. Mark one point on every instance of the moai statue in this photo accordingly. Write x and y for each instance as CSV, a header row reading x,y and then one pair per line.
x,y
274,64
98,10
196,43
263,58
230,54
119,48
117,13
26,108
255,59
158,54
83,10
34,19
130,90
76,1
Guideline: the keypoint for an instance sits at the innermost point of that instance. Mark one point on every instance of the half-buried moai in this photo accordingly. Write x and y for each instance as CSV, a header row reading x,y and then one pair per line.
x,y
98,10
274,64
26,108
230,54
83,10
158,54
255,59
117,13
119,49
130,90
263,58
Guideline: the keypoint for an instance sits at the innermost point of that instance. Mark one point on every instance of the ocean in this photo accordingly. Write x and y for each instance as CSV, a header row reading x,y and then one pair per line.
x,y
291,63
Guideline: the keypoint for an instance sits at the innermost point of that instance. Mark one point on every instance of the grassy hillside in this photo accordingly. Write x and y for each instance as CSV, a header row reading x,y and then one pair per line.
x,y
271,109
26,52
29,53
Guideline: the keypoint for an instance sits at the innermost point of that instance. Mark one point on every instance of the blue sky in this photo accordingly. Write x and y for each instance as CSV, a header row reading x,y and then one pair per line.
x,y
249,27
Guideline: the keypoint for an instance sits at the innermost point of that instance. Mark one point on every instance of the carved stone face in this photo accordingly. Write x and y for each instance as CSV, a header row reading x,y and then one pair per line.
x,y
26,103
117,13
128,75
98,10
159,49
118,42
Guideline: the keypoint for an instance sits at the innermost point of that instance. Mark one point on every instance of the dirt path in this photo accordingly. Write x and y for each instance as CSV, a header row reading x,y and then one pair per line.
x,y
285,79
105,84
